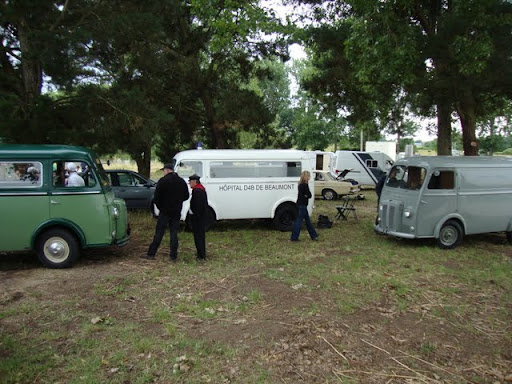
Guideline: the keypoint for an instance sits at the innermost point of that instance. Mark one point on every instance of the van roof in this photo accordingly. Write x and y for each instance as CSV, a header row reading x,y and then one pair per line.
x,y
455,161
242,154
43,151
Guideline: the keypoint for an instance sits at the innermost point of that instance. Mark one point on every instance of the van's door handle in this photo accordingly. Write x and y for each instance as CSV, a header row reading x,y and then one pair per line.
x,y
423,202
54,202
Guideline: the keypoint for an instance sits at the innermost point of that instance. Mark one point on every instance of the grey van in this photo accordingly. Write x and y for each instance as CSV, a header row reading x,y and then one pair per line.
x,y
445,198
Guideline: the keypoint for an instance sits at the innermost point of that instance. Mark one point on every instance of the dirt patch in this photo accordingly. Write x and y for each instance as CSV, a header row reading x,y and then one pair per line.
x,y
280,331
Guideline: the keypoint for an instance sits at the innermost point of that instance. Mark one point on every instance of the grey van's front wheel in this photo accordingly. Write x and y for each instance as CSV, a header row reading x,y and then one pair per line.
x,y
57,248
450,235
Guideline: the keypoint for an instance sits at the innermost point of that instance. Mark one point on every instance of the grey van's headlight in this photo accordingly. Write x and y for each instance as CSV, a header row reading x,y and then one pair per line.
x,y
115,211
407,213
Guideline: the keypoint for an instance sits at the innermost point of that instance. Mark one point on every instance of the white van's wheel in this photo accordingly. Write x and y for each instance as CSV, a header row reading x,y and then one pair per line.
x,y
57,248
450,235
329,194
285,217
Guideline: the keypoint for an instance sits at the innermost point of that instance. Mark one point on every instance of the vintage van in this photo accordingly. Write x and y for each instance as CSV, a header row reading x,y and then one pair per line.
x,y
248,184
446,197
40,212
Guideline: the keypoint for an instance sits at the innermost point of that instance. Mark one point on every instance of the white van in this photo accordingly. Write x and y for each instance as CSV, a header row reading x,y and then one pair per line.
x,y
365,167
248,184
445,198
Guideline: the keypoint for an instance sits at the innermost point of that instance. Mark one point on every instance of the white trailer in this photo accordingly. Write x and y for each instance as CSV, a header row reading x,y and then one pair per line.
x,y
365,167
248,184
387,147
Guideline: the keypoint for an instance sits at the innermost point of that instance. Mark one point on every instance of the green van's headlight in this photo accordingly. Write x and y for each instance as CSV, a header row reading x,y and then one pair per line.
x,y
115,211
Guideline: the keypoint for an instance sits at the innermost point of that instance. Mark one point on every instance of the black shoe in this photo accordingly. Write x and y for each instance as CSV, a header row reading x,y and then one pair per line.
x,y
173,259
201,259
315,238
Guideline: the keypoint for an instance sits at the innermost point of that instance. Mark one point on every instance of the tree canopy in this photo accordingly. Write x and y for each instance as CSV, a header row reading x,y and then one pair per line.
x,y
156,77
443,55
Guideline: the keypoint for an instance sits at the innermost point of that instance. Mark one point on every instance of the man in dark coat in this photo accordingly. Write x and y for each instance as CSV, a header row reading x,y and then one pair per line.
x,y
171,191
198,212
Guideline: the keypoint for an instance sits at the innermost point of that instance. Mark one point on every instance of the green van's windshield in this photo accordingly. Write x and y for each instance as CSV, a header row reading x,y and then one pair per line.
x,y
404,177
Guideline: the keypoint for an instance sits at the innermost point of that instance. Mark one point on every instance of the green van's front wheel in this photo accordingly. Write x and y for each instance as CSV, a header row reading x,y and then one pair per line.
x,y
57,248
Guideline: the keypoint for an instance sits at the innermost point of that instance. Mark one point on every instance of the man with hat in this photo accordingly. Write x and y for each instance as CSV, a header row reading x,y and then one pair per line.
x,y
198,212
171,191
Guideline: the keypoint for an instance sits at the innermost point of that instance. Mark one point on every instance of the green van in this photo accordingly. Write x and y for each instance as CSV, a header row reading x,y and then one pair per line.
x,y
39,211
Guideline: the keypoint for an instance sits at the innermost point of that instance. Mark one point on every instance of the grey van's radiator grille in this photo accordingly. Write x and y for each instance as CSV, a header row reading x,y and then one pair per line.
x,y
391,214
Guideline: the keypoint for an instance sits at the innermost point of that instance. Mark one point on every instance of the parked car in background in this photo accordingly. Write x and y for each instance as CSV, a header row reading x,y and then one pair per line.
x,y
136,190
329,188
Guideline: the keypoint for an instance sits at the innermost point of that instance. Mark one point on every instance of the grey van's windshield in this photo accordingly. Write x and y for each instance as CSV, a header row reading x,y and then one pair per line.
x,y
404,177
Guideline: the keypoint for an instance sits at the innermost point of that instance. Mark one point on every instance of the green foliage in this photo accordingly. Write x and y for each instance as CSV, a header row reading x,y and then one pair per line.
x,y
452,57
134,76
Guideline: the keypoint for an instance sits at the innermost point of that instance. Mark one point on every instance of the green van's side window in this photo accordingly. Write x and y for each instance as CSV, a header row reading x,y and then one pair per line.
x,y
19,174
72,174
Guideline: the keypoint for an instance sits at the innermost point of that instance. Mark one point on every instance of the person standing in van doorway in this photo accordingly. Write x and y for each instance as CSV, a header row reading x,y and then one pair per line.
x,y
74,179
198,211
302,204
171,191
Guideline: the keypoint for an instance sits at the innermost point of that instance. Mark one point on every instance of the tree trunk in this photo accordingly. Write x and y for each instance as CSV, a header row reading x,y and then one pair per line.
x,y
31,70
143,161
466,110
444,130
216,129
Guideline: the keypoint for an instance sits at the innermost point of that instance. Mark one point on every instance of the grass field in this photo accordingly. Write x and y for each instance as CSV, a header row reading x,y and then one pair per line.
x,y
354,307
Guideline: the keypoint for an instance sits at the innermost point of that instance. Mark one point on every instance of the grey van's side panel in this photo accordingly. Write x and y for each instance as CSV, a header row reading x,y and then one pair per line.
x,y
485,199
434,205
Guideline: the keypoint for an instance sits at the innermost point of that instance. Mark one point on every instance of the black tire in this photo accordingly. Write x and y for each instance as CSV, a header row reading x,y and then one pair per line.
x,y
509,237
450,235
285,217
329,194
57,248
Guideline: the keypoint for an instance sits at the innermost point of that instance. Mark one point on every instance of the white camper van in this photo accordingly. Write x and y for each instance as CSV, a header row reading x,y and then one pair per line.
x,y
323,160
446,198
365,167
248,184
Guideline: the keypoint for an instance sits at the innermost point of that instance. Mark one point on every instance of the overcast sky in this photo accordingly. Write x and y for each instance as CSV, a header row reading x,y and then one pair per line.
x,y
297,52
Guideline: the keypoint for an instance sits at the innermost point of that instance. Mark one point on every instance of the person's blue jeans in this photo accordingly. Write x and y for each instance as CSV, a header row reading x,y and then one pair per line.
x,y
161,225
303,215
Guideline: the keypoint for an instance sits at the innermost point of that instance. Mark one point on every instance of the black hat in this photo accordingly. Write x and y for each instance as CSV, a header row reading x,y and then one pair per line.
x,y
194,177
168,166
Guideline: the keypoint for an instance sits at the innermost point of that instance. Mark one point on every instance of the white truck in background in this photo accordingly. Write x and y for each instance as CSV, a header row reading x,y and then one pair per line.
x,y
365,168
